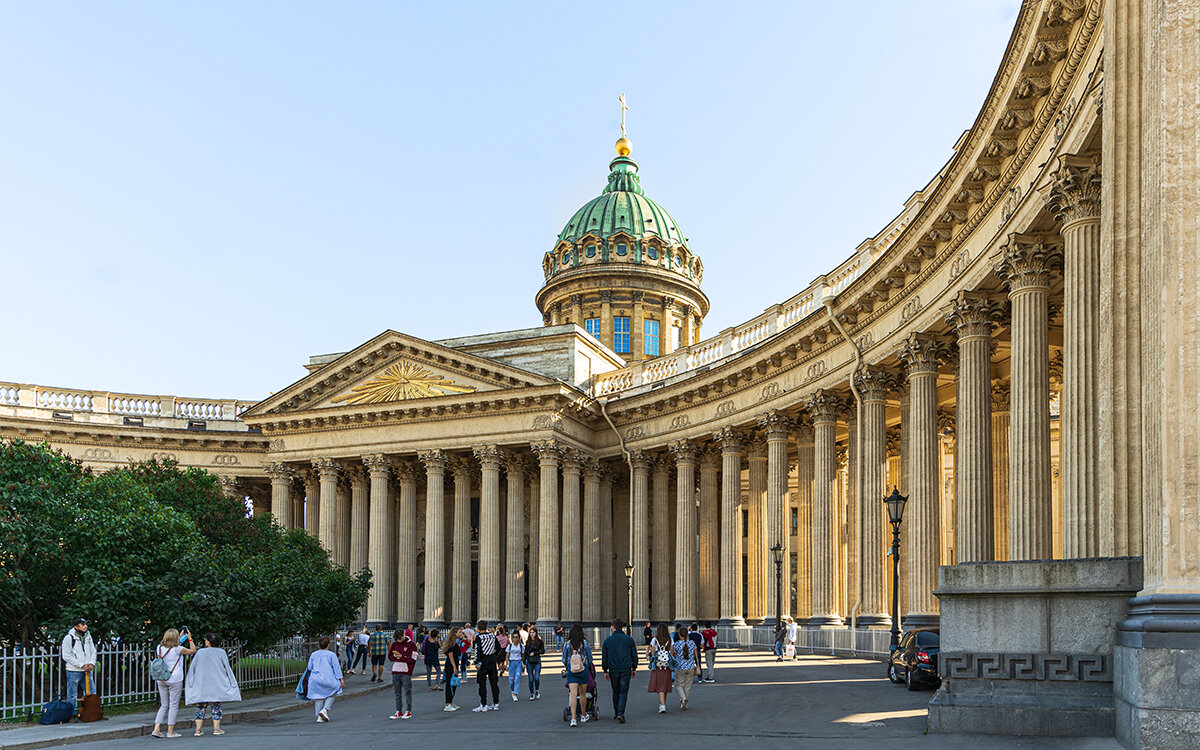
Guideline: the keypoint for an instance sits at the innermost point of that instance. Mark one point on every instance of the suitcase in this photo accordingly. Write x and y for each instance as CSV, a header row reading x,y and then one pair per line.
x,y
90,709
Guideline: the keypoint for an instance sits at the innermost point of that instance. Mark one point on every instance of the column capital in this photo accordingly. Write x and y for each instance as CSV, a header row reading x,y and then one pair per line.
x,y
1057,363
641,461
592,468
280,471
776,424
710,457
405,471
685,452
327,468
356,475
824,406
946,422
377,463
461,467
434,460
572,461
874,383
489,457
804,431
548,451
661,464
1000,396
893,440
1029,261
731,440
576,299
306,475
231,485
974,315
514,463
1075,189
924,353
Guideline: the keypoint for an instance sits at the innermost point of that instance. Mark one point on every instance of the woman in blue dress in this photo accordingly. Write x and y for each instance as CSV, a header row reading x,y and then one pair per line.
x,y
324,680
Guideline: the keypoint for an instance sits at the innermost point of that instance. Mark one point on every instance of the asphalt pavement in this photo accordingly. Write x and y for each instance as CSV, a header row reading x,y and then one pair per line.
x,y
817,701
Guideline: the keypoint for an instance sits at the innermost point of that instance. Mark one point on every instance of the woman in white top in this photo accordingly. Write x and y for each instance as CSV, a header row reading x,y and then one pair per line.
x,y
516,655
172,653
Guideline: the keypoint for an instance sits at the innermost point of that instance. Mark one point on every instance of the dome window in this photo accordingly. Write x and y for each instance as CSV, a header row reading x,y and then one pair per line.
x,y
652,252
591,251
566,258
622,249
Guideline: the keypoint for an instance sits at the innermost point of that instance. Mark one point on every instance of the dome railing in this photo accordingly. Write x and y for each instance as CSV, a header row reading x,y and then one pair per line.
x,y
42,402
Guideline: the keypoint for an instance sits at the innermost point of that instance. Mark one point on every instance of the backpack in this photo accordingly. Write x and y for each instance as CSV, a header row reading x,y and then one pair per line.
x,y
662,658
576,662
159,670
710,642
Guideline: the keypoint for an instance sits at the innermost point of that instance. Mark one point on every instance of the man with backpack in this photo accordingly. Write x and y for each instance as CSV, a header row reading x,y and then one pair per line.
x,y
79,656
710,651
618,659
487,654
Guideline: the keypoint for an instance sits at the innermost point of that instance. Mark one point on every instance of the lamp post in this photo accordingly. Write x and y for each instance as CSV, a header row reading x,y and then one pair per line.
x,y
895,510
629,588
777,552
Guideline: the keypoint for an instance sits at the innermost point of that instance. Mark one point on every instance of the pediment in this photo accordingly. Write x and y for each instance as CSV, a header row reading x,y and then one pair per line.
x,y
395,368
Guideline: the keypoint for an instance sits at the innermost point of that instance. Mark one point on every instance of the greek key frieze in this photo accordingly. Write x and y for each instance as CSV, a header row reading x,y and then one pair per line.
x,y
1025,666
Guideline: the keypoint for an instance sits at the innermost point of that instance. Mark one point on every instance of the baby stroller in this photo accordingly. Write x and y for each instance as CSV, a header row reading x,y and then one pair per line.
x,y
589,703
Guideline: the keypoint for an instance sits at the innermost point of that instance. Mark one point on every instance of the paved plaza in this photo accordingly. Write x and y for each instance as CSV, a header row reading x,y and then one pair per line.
x,y
830,703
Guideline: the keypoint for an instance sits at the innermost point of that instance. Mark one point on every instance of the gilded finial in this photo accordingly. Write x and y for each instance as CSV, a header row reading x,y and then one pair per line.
x,y
624,145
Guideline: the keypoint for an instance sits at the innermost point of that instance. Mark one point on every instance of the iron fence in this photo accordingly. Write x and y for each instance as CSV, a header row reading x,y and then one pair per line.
x,y
870,644
30,678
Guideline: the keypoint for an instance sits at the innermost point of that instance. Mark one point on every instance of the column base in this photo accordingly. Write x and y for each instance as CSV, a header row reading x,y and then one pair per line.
x,y
432,624
731,622
922,622
874,622
545,626
826,621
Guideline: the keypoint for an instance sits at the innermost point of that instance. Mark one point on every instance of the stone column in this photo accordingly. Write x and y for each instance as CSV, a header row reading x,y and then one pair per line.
x,y
730,441
548,454
359,521
639,499
312,502
824,407
873,386
685,521
756,539
281,476
406,543
1026,265
974,315
533,476
489,533
636,328
514,558
804,498
1075,200
571,603
460,548
661,533
922,518
777,428
576,315
710,535
344,500
373,518
846,519
592,571
435,538
328,471
1000,427
606,319
608,603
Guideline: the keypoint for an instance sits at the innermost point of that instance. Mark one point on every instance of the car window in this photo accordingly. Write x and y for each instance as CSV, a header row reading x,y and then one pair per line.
x,y
926,640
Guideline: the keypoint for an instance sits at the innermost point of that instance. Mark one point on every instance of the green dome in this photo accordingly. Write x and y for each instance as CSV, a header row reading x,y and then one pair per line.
x,y
623,207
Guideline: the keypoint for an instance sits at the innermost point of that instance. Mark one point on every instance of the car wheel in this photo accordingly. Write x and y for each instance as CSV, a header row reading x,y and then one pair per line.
x,y
893,675
911,682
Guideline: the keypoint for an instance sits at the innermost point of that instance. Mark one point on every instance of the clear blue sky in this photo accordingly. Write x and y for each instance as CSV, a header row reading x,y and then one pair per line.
x,y
195,197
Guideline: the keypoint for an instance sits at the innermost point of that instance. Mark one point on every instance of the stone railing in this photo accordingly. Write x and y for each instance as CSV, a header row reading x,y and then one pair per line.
x,y
71,404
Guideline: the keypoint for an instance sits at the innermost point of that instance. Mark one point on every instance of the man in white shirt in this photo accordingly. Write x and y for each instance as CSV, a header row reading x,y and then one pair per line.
x,y
793,631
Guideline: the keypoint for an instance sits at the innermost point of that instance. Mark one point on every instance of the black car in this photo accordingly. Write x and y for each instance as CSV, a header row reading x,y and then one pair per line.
x,y
914,661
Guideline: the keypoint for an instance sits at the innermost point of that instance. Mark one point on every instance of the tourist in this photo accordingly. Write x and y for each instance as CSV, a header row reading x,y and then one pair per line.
x,y
658,656
558,635
618,659
577,658
431,648
534,650
402,653
468,634
79,656
793,634
377,645
687,665
350,641
360,650
516,653
502,641
210,683
647,635
710,651
693,633
169,690
324,679
524,633
454,647
487,653
780,636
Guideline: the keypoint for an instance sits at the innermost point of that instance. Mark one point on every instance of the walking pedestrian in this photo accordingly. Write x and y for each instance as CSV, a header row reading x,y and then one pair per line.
x,y
502,641
377,645
780,635
487,653
533,663
516,654
325,680
79,657
658,656
453,648
687,665
618,659
468,634
577,658
350,641
647,635
360,650
710,651
402,653
210,683
793,633
558,635
431,648
169,690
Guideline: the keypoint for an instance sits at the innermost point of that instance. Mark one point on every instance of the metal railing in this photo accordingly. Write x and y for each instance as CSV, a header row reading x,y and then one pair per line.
x,y
30,678
869,644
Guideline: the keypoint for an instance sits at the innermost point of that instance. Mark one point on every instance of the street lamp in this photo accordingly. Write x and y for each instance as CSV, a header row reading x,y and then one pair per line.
x,y
777,551
895,510
629,588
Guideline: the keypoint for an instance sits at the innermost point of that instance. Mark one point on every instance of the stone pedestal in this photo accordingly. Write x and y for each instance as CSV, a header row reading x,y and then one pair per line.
x,y
1156,673
1027,647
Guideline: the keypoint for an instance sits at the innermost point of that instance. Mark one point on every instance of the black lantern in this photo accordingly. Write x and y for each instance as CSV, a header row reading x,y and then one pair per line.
x,y
629,588
895,510
895,506
777,553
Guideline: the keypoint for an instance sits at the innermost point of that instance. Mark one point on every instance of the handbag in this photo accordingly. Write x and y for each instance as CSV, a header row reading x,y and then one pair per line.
x,y
454,681
57,711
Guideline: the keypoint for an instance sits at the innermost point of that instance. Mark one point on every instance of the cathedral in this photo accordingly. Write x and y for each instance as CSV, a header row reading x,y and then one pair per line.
x,y
1015,354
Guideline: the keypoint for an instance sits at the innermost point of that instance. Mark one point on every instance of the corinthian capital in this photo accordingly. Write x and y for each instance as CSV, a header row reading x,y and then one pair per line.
x,y
327,468
874,383
731,440
924,353
405,471
1075,190
548,451
1029,261
280,471
435,460
685,452
489,456
377,463
776,424
824,406
974,315
641,461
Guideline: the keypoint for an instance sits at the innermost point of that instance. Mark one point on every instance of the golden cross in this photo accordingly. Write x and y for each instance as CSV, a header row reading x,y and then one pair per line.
x,y
624,107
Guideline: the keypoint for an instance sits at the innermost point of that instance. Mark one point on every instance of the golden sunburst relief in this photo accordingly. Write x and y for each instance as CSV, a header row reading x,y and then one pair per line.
x,y
400,382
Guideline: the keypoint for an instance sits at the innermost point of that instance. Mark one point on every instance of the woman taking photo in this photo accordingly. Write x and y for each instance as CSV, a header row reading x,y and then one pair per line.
x,y
658,656
172,653
533,663
325,680
577,658
210,683
431,649
453,649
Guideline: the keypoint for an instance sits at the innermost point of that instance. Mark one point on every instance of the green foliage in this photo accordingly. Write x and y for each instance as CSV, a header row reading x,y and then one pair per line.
x,y
152,546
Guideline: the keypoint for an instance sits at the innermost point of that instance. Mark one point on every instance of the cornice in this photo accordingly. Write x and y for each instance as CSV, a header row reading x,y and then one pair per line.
x,y
119,435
